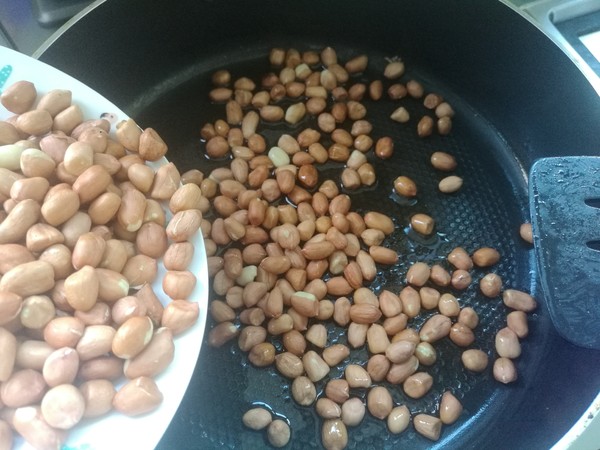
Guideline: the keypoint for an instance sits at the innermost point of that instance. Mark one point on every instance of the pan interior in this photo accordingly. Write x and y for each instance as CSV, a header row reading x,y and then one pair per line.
x,y
487,211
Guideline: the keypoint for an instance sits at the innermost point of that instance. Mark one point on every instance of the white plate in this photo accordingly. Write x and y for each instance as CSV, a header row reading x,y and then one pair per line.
x,y
115,430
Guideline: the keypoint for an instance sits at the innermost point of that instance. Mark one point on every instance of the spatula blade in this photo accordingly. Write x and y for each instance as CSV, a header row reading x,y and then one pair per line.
x,y
564,195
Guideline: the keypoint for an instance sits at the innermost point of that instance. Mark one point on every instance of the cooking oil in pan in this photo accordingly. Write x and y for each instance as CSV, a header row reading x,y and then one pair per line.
x,y
485,212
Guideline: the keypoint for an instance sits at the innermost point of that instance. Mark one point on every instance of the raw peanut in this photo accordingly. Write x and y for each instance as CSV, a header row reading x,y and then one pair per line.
x,y
304,391
400,372
128,134
30,278
379,221
59,256
151,240
95,341
151,146
398,419
19,97
430,297
138,396
383,255
443,161
34,188
395,324
8,343
10,307
184,225
377,339
485,257
99,314
461,335
257,418
461,279
131,210
103,367
417,384
426,354
357,334
526,233
490,285
98,396
81,288
448,305
289,365
166,182
139,269
450,184
103,209
178,284
400,114
353,412
366,173
337,390
112,285
88,250
276,264
221,311
507,343
179,315
450,408
132,337
444,110
63,406
364,313
517,322
305,303
460,259
435,328
78,224
357,376
327,408
418,274
92,182
11,255
428,426
405,186
519,300
37,311
316,368
334,435
141,175
468,316
379,402
400,351
250,336
222,333
367,265
475,360
8,133
24,387
504,370
422,223
262,355
29,423
378,367
278,433
34,122
24,215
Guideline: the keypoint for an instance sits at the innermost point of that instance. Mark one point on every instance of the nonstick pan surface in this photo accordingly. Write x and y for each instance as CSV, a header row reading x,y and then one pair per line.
x,y
505,118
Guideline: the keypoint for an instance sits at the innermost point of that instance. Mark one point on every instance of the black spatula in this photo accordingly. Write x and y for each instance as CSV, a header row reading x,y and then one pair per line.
x,y
564,201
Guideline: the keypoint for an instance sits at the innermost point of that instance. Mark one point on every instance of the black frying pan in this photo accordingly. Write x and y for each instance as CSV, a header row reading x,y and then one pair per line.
x,y
517,97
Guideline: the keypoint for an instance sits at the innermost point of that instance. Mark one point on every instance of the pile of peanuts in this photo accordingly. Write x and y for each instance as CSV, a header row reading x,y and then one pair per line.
x,y
83,225
288,256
